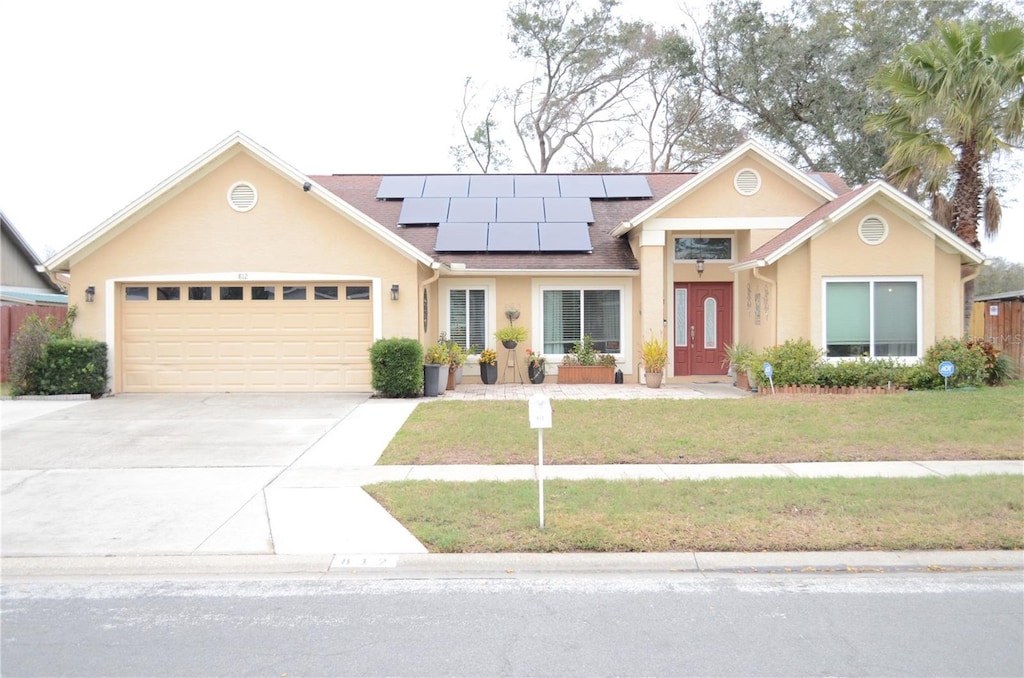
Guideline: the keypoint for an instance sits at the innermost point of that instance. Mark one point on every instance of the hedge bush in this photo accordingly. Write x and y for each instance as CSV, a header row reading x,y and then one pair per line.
x,y
28,347
397,367
970,361
73,366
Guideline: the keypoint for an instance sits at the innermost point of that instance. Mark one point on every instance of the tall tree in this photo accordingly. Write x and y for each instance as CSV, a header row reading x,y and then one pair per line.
x,y
800,75
481,141
957,100
584,61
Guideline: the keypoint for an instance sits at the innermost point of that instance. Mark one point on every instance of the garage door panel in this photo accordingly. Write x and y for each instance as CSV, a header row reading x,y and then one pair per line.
x,y
245,345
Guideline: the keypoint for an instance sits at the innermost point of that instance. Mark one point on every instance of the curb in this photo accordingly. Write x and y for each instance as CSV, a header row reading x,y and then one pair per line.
x,y
505,565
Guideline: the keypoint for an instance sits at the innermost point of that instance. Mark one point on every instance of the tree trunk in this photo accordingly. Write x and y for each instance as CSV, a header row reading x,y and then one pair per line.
x,y
967,195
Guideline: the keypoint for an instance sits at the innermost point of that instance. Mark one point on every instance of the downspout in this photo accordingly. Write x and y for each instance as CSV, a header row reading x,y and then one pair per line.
x,y
436,265
968,311
756,272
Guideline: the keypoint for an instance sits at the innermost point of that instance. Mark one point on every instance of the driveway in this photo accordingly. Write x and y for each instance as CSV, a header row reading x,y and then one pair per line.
x,y
147,474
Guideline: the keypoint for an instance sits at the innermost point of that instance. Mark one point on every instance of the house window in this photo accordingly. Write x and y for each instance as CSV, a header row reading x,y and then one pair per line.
x,y
571,314
200,293
710,249
136,294
873,318
710,323
467,318
681,322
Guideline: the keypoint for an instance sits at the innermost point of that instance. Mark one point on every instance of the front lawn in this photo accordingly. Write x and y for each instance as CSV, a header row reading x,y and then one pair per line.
x,y
987,423
752,514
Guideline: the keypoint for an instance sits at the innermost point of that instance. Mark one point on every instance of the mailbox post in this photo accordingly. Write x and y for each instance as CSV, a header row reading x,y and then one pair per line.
x,y
540,419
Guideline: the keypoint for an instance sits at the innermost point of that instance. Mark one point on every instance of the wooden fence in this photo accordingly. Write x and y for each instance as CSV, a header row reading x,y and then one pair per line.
x,y
1002,323
11,318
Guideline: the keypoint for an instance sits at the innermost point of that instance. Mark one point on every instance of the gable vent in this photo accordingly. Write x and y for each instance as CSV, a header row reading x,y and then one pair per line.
x,y
873,230
747,182
242,196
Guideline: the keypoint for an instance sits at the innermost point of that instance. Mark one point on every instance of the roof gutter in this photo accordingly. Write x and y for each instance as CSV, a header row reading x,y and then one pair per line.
x,y
623,228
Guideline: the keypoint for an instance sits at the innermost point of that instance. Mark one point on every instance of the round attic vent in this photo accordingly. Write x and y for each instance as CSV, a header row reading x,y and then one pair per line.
x,y
873,230
747,182
242,196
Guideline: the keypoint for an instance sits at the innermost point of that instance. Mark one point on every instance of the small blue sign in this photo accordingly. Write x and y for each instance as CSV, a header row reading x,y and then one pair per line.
x,y
768,371
947,369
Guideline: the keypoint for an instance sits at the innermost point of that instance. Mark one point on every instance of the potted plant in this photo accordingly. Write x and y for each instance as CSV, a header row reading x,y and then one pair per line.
x,y
454,358
584,364
434,377
535,366
510,336
741,361
654,355
489,366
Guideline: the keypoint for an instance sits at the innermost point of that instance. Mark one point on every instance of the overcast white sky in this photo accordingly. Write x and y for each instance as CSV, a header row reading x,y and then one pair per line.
x,y
103,100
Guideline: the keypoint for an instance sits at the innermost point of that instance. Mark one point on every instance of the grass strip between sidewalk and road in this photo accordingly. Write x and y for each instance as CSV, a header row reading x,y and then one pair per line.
x,y
920,425
750,514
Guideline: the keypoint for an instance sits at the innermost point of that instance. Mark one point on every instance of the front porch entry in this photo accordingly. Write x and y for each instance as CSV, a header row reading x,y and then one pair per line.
x,y
703,325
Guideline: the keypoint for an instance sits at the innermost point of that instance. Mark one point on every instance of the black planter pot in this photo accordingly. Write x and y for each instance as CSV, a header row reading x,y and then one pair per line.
x,y
489,373
536,374
430,379
510,344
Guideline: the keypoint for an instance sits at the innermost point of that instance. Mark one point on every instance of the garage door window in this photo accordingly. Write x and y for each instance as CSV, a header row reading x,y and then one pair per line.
x,y
231,293
357,292
200,293
325,293
168,294
262,292
294,293
136,294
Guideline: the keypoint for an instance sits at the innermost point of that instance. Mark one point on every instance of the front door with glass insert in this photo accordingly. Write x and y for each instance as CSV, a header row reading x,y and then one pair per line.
x,y
703,326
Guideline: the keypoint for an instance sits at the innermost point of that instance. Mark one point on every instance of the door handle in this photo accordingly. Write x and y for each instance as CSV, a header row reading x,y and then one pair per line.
x,y
692,334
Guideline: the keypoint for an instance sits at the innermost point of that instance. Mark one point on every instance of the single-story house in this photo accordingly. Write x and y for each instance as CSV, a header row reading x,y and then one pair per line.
x,y
241,273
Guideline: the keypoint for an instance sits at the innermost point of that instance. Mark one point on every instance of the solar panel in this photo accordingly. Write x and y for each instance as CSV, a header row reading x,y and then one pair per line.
x,y
518,237
568,209
536,186
446,186
491,186
520,209
569,237
464,237
423,211
473,209
397,187
581,186
626,186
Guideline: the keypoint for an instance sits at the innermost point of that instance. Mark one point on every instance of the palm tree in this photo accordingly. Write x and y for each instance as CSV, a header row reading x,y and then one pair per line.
x,y
957,101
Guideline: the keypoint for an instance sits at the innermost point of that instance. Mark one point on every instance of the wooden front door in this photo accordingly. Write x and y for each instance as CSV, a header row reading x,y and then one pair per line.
x,y
703,326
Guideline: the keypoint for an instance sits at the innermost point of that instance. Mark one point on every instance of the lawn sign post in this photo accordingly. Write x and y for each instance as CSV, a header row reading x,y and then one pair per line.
x,y
768,372
540,419
947,370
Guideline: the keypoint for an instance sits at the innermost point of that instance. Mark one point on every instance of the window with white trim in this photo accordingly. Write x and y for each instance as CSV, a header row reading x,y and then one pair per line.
x,y
872,317
569,314
467,318
709,249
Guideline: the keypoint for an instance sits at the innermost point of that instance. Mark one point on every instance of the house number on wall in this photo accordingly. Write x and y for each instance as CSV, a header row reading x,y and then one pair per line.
x,y
243,276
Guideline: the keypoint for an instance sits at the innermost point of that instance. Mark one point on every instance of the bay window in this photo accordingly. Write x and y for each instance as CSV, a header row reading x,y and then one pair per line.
x,y
875,318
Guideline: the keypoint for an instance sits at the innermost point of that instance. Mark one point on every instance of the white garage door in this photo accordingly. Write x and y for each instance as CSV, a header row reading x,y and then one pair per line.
x,y
254,337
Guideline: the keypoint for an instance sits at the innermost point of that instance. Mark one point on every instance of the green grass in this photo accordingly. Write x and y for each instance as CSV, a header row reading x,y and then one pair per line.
x,y
969,513
986,423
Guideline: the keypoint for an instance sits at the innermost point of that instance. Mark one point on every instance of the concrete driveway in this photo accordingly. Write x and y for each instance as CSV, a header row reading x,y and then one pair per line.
x,y
155,474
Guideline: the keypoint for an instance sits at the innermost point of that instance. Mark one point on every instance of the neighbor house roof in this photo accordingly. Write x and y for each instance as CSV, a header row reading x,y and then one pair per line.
x,y
46,284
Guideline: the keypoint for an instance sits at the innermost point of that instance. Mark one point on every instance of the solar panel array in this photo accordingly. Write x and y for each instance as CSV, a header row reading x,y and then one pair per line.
x,y
508,212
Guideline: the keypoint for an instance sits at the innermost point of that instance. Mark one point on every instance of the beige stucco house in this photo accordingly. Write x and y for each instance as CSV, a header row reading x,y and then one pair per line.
x,y
240,273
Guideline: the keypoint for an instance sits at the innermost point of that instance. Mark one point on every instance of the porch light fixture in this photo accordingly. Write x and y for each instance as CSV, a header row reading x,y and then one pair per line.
x,y
700,267
90,294
394,292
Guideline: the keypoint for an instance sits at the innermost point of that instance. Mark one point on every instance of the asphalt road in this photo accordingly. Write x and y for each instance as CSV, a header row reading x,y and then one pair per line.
x,y
913,624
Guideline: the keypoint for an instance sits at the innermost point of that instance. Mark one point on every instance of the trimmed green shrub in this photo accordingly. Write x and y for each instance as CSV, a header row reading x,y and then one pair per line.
x,y
794,363
397,367
970,362
73,366
861,372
